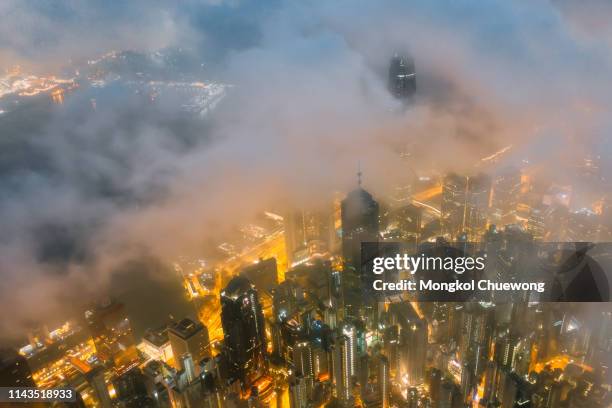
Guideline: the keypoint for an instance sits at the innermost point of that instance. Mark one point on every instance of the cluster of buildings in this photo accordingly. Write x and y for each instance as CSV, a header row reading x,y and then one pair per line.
x,y
317,335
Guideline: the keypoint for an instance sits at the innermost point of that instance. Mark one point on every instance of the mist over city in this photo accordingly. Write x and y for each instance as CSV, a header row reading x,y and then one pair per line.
x,y
152,155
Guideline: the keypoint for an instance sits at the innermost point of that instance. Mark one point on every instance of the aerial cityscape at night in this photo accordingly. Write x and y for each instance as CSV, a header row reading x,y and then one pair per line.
x,y
208,205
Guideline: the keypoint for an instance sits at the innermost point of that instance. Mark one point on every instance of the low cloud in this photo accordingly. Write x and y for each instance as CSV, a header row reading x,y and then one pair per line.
x,y
87,190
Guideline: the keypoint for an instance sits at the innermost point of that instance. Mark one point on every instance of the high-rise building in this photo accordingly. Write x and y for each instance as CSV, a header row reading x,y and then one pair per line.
x,y
477,206
243,326
302,359
412,398
189,337
412,344
405,223
434,380
505,196
14,370
384,380
156,344
299,392
536,223
465,205
131,389
350,332
402,77
95,377
112,335
360,223
263,274
454,196
308,234
341,359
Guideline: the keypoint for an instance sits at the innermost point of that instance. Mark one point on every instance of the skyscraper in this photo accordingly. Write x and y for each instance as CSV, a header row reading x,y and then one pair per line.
x,y
243,326
402,77
360,223
188,337
307,234
341,358
112,334
350,332
412,347
131,389
465,204
454,196
505,197
263,274
302,359
477,206
384,386
96,379
299,392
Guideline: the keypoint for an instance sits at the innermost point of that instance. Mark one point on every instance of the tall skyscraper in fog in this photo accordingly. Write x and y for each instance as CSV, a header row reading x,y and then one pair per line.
x,y
412,342
308,234
402,77
263,274
465,205
360,223
189,337
505,197
454,196
477,206
243,325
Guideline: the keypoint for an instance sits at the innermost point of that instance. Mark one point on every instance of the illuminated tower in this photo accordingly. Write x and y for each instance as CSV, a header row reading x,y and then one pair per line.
x,y
360,223
341,357
505,197
454,195
243,327
302,359
402,77
350,332
14,370
308,234
188,337
536,223
384,386
477,206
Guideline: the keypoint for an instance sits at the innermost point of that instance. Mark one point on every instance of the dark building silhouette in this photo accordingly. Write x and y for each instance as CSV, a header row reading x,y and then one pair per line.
x,y
263,274
14,370
412,342
402,77
95,378
243,326
131,390
360,223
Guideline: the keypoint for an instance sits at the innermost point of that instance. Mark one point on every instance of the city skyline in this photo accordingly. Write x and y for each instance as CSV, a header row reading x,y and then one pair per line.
x,y
191,195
